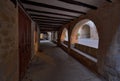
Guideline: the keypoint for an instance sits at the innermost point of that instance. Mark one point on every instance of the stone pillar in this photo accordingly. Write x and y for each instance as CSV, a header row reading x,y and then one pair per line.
x,y
69,41
38,35
32,38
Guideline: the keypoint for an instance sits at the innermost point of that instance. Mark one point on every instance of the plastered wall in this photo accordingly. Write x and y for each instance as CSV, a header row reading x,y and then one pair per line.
x,y
8,41
33,45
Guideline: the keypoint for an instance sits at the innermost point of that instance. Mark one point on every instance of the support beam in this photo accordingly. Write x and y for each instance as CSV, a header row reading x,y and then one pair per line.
x,y
79,4
51,6
49,28
51,22
46,18
48,21
42,26
36,15
46,12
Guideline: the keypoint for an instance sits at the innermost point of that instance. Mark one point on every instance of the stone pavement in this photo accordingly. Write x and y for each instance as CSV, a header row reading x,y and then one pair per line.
x,y
53,64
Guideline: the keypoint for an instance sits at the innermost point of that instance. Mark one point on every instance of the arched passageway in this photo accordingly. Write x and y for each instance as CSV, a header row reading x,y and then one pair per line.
x,y
85,33
45,35
28,18
54,36
64,37
85,40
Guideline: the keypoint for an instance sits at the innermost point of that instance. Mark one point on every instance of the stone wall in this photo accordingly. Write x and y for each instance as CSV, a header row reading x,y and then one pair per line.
x,y
88,50
8,41
35,39
37,43
112,60
90,64
65,42
33,45
107,21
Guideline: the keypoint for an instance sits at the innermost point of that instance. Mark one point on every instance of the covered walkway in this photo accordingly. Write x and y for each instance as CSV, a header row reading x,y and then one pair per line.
x,y
53,64
59,40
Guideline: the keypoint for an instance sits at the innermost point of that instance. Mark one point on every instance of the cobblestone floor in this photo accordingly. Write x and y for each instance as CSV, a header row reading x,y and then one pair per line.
x,y
53,64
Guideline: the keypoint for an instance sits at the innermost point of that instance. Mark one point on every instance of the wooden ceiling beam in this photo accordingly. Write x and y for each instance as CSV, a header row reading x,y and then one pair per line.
x,y
51,22
79,4
51,19
51,6
46,12
36,15
48,26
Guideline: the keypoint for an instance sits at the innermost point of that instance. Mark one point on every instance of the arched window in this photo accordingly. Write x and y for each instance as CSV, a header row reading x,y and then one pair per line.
x,y
64,36
85,33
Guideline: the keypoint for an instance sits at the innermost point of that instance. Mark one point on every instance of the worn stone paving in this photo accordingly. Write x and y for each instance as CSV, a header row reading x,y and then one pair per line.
x,y
53,64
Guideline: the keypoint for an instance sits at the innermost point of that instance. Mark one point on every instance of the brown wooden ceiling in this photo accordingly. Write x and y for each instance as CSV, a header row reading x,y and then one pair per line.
x,y
52,14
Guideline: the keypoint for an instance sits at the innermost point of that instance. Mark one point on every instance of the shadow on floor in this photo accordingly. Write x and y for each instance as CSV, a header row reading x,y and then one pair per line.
x,y
53,64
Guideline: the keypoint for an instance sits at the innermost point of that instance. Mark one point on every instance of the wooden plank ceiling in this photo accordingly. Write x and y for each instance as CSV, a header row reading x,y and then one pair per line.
x,y
50,15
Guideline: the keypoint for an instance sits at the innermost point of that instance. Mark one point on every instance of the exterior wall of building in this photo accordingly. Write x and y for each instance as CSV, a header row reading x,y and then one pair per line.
x,y
9,68
107,21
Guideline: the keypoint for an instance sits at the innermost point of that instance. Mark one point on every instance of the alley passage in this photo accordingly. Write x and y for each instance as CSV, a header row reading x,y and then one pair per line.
x,y
53,64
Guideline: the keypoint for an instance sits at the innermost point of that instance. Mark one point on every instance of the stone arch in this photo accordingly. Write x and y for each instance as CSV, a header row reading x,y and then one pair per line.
x,y
56,36
84,32
64,35
49,36
44,35
87,29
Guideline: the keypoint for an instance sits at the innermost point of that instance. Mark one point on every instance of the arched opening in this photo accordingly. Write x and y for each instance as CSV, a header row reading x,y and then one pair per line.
x,y
56,36
49,36
64,36
44,36
85,33
85,40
